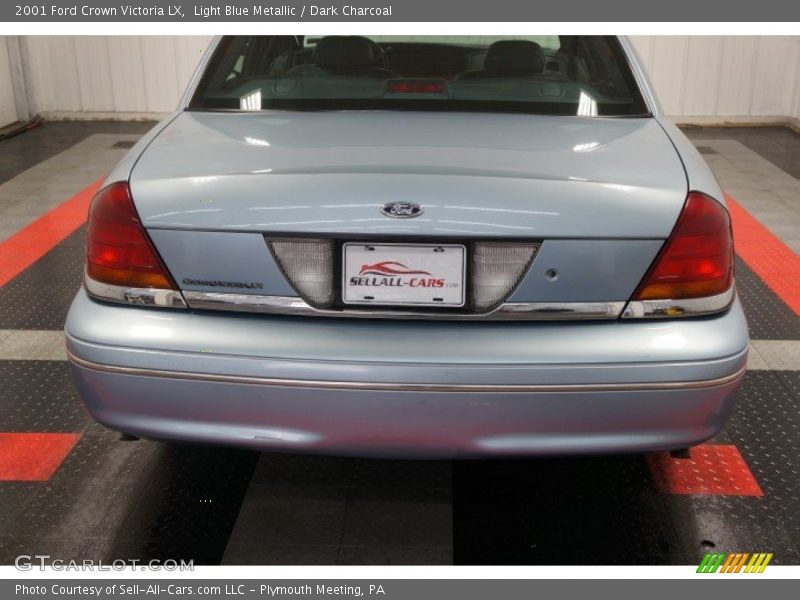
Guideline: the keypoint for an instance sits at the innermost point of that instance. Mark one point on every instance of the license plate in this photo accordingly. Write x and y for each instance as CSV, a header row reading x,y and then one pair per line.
x,y
404,274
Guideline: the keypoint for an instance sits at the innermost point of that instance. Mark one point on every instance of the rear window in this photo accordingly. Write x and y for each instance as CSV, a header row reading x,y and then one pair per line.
x,y
566,75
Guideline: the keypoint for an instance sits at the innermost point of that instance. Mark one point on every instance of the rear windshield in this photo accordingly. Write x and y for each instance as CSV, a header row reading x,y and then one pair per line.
x,y
566,75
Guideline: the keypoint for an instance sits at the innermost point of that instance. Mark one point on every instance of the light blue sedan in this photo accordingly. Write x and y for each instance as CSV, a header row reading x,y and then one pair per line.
x,y
437,246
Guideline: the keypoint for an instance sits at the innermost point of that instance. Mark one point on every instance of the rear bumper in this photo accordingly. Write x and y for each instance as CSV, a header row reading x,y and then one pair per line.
x,y
407,388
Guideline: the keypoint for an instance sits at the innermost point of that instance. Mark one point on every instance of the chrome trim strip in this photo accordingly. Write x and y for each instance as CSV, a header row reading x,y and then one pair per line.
x,y
133,296
692,307
407,387
554,311
289,305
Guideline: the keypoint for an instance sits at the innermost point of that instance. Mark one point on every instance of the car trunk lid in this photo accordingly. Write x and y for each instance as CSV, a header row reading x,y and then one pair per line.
x,y
475,175
598,195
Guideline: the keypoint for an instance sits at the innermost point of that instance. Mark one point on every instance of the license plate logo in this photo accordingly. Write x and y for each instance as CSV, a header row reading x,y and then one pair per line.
x,y
404,274
391,268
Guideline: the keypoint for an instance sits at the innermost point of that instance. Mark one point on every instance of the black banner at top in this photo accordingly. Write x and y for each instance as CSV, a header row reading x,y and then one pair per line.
x,y
400,11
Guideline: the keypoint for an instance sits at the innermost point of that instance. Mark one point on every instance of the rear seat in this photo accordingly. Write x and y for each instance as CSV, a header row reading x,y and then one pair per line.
x,y
510,58
353,55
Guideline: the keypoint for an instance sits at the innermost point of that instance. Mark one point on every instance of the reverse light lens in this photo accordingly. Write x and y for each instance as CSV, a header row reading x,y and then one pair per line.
x,y
697,260
496,270
118,251
308,264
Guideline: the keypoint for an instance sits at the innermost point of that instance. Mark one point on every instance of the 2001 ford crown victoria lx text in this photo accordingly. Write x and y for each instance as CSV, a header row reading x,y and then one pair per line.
x,y
412,246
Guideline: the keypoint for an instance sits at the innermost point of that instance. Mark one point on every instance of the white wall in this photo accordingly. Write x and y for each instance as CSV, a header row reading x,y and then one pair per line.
x,y
109,74
8,108
724,77
703,79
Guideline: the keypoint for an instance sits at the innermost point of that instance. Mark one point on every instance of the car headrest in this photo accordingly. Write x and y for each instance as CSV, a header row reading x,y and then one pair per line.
x,y
344,54
514,57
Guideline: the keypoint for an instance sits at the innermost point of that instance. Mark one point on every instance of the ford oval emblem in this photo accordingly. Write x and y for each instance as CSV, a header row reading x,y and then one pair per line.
x,y
401,210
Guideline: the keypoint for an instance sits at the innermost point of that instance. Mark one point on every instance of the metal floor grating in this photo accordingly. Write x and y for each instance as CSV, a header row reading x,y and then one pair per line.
x,y
39,297
768,317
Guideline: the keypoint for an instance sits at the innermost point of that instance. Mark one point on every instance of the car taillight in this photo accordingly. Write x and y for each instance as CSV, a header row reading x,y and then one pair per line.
x,y
693,273
416,87
118,251
697,260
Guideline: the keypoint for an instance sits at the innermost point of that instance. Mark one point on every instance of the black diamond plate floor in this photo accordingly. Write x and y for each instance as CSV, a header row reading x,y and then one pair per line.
x,y
605,510
130,500
767,315
39,297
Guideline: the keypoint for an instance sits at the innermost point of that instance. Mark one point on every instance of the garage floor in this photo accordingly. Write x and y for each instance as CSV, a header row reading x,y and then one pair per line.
x,y
72,489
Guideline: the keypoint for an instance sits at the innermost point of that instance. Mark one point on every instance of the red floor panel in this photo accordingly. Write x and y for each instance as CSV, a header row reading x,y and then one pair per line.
x,y
33,456
767,255
711,470
28,245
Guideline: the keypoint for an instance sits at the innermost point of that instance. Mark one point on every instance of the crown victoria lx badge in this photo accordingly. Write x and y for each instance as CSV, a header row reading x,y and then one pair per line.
x,y
401,210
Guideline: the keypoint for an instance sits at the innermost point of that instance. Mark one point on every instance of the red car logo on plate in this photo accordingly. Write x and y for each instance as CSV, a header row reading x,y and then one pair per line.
x,y
389,267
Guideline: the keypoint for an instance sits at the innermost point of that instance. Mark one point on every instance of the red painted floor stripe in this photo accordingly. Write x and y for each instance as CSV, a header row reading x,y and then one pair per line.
x,y
711,470
33,456
772,260
28,245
